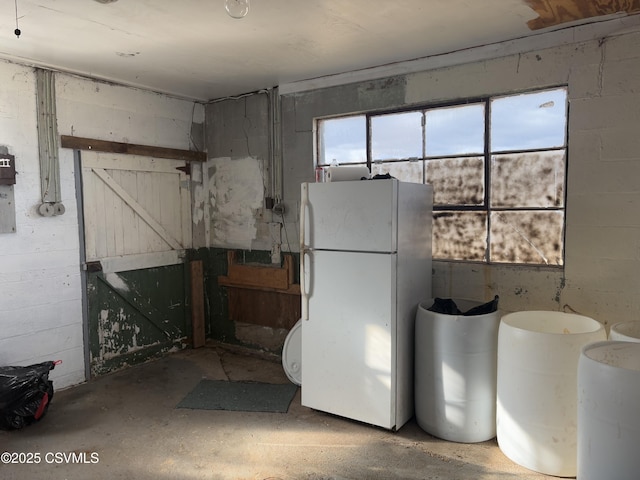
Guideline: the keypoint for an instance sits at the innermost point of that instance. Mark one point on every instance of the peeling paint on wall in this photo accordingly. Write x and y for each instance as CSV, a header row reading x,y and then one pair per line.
x,y
236,195
200,205
199,197
135,315
117,282
118,335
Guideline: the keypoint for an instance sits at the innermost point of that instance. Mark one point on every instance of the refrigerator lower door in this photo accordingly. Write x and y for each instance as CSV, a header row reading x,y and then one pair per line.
x,y
349,340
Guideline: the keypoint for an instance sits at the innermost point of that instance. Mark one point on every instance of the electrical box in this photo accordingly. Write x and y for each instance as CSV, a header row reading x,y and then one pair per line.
x,y
7,169
7,209
7,202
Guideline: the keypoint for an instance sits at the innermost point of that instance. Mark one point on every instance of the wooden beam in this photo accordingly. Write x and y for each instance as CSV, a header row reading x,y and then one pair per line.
x,y
80,143
556,12
197,303
290,290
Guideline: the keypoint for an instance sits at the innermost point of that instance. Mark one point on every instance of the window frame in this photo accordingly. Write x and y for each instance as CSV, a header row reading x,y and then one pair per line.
x,y
487,155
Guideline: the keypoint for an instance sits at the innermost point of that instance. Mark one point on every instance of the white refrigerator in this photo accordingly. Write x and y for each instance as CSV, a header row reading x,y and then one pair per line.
x,y
365,249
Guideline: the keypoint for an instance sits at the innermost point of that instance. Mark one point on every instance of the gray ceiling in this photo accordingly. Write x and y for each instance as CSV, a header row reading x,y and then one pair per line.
x,y
193,49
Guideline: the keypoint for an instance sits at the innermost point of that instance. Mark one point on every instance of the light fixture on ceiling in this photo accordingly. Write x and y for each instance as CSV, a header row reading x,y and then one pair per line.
x,y
237,8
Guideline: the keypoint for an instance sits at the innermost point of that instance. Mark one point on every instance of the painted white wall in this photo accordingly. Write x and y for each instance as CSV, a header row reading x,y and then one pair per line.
x,y
236,194
40,291
93,109
40,282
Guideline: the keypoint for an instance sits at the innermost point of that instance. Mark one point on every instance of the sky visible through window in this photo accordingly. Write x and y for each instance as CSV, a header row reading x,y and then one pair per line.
x,y
518,122
528,121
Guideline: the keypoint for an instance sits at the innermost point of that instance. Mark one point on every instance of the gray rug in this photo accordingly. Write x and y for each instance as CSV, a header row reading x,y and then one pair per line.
x,y
240,396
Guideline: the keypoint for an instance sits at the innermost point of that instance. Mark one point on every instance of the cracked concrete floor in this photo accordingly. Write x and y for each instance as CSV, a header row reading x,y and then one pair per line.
x,y
125,426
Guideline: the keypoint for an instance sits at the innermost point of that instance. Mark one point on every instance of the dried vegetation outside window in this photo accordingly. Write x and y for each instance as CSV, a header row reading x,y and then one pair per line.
x,y
460,235
456,181
528,180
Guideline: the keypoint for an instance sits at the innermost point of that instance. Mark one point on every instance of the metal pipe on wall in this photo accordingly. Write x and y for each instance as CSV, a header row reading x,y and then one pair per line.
x,y
275,150
48,144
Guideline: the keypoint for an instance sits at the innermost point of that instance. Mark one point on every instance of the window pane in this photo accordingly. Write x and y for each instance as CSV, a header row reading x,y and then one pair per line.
x,y
527,237
396,136
343,140
528,121
456,181
529,180
459,235
403,171
455,130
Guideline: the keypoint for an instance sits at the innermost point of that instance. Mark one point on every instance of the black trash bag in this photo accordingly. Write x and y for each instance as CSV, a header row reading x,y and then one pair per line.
x,y
449,307
444,305
484,309
378,176
25,394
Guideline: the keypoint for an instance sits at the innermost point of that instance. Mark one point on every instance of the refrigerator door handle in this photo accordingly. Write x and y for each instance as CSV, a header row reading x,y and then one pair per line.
x,y
304,204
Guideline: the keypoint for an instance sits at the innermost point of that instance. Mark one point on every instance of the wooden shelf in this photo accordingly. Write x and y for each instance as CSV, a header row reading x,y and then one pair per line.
x,y
262,294
270,278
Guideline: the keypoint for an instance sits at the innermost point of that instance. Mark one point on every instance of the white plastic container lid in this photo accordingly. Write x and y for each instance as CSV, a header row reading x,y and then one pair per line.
x,y
625,331
292,354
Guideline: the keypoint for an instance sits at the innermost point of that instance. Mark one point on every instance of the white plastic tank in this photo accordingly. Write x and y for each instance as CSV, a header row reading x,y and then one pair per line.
x,y
608,419
625,331
455,373
536,411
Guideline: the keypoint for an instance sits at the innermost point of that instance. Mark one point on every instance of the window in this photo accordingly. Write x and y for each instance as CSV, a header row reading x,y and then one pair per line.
x,y
342,140
497,166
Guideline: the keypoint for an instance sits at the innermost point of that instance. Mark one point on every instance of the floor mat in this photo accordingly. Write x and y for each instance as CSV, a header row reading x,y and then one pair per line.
x,y
240,396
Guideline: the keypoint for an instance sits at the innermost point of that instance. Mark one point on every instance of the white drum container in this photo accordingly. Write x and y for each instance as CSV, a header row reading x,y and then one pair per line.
x,y
608,406
455,373
625,331
536,414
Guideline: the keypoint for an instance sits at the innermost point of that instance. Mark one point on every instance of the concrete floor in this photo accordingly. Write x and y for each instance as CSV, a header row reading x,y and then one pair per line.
x,y
127,425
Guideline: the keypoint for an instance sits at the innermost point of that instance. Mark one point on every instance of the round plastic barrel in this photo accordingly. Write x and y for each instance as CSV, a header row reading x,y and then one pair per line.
x,y
608,420
625,331
455,373
536,410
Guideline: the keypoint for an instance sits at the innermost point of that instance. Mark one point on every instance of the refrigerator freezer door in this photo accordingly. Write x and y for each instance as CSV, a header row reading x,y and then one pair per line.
x,y
348,343
353,216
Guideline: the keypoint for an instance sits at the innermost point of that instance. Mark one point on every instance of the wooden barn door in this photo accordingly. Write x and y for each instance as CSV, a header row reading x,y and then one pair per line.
x,y
137,226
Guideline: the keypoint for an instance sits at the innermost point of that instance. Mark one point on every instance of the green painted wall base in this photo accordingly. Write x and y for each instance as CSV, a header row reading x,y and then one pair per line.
x,y
137,315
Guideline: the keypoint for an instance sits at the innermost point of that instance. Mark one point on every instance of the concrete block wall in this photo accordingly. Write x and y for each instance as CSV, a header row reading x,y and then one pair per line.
x,y
601,276
603,194
40,280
